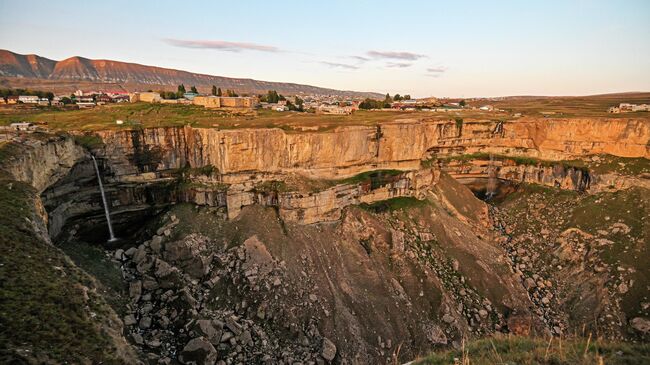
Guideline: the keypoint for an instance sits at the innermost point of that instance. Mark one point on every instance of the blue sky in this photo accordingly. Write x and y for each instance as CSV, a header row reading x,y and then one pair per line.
x,y
441,48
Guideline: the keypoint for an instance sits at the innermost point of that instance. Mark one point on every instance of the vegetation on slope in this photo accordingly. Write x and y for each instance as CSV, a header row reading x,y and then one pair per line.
x,y
526,350
50,311
600,164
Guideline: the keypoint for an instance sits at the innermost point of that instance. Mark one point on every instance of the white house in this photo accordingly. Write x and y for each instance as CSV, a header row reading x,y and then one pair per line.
x,y
28,99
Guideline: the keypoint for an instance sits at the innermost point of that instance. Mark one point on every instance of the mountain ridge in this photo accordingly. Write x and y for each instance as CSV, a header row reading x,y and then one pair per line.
x,y
141,77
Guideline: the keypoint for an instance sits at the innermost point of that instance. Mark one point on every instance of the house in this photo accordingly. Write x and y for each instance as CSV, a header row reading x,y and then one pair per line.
x,y
208,101
627,107
334,109
211,101
28,99
44,102
85,105
190,95
12,99
22,126
121,98
487,108
147,97
104,98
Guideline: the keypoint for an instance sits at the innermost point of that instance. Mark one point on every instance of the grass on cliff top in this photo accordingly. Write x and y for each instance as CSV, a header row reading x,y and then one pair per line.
x,y
142,115
572,106
530,351
43,316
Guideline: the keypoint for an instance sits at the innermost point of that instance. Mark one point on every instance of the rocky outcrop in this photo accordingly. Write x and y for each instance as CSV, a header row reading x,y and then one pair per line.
x,y
477,172
346,151
41,160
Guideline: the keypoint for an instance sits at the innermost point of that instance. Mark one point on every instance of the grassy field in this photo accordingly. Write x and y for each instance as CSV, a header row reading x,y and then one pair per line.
x,y
530,351
572,106
161,115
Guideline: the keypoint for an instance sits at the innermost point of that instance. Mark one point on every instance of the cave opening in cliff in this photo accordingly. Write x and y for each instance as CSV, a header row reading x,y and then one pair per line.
x,y
492,192
75,210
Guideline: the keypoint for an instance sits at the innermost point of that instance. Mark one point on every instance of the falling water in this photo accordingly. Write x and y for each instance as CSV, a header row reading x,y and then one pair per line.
x,y
101,189
491,188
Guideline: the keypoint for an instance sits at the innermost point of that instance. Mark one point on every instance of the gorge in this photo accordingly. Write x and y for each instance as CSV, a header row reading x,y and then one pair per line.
x,y
271,244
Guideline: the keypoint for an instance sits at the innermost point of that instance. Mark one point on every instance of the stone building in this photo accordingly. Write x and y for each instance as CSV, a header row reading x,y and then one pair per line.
x,y
147,97
211,101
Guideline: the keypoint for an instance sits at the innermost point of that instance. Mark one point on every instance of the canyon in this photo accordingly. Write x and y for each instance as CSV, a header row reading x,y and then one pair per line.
x,y
239,242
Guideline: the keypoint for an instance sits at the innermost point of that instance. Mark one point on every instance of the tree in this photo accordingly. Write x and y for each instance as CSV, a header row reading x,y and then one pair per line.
x,y
371,104
272,96
462,103
66,100
214,90
194,90
397,97
387,101
181,91
406,97
219,92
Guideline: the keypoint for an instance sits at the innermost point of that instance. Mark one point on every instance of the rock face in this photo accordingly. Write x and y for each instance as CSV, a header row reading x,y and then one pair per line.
x,y
41,163
346,151
142,168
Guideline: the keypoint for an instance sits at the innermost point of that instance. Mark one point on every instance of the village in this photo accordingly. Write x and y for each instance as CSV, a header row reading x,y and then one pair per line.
x,y
318,104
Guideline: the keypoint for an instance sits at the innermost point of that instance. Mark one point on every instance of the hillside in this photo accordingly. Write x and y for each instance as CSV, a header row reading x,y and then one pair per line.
x,y
15,68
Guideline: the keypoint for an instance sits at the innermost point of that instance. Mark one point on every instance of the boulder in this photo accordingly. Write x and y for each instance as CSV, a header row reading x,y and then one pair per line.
x,y
129,320
156,244
328,350
640,324
135,290
436,335
198,351
140,254
447,319
207,329
177,250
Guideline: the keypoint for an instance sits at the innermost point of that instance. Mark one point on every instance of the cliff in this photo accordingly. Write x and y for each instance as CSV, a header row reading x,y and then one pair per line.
x,y
349,150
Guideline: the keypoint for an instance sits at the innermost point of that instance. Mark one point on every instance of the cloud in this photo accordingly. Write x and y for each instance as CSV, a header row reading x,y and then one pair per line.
x,y
439,69
395,55
360,58
398,64
221,45
436,71
339,65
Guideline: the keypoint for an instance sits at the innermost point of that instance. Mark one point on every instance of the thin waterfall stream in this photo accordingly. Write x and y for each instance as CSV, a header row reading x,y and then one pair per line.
x,y
106,211
491,188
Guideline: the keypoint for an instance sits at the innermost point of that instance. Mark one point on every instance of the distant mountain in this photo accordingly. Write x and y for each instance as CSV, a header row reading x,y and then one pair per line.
x,y
133,76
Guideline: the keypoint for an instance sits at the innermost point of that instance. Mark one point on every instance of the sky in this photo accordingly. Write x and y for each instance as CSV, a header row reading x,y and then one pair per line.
x,y
421,48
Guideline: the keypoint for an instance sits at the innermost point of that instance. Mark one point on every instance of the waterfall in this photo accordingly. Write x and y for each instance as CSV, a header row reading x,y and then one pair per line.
x,y
491,188
101,189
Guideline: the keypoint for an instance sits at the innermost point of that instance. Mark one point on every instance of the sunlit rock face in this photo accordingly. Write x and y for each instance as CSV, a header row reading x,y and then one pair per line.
x,y
346,151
